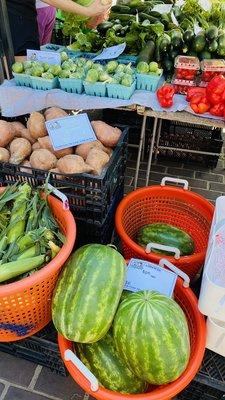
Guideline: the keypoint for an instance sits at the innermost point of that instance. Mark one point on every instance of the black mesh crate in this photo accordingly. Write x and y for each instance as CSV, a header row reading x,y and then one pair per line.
x,y
89,196
96,232
198,391
192,137
42,348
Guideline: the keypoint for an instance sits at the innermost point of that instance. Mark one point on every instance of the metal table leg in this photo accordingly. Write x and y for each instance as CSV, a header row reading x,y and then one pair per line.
x,y
151,150
140,150
158,138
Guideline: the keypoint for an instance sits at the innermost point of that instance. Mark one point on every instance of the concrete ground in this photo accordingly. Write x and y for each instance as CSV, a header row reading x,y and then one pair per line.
x,y
23,380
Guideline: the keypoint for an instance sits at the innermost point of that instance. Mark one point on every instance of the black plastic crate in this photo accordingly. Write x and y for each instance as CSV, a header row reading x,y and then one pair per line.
x,y
192,137
198,391
41,348
99,233
89,196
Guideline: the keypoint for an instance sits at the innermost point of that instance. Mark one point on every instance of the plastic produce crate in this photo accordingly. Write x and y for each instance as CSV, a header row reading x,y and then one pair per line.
x,y
53,47
95,89
71,85
194,137
89,195
41,348
148,82
43,84
198,391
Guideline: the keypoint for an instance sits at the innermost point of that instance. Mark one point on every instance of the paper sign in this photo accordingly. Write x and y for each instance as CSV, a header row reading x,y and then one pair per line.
x,y
144,275
162,8
180,3
205,4
70,131
111,52
197,28
174,20
50,57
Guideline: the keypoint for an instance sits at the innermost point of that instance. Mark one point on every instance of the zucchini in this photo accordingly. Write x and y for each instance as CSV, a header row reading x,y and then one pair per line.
x,y
168,65
221,45
143,17
176,38
205,55
199,43
104,26
164,43
121,9
147,53
188,36
212,32
122,17
213,46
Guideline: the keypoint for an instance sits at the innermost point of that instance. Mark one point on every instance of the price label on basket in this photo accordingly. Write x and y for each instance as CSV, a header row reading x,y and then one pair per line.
x,y
144,275
111,52
49,57
70,131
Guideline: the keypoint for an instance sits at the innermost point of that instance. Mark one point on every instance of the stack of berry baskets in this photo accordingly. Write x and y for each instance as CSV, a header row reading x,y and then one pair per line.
x,y
186,71
211,68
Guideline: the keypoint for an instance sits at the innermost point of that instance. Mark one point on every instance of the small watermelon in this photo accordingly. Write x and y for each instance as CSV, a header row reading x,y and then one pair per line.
x,y
102,359
88,292
152,337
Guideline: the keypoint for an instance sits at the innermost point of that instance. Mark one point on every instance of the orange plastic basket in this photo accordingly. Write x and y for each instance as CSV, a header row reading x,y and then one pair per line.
x,y
168,204
25,306
196,323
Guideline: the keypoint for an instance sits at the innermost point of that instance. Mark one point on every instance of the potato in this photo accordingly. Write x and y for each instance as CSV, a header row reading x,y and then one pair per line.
x,y
97,159
54,112
36,125
6,133
36,146
4,155
25,133
43,159
20,149
107,135
45,143
83,149
73,164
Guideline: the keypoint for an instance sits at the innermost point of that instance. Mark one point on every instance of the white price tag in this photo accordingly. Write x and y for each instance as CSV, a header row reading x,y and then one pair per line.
x,y
174,20
205,4
70,131
111,52
197,28
49,57
162,8
144,275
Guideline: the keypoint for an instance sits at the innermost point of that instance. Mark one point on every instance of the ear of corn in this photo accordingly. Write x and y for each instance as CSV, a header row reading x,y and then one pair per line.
x,y
15,268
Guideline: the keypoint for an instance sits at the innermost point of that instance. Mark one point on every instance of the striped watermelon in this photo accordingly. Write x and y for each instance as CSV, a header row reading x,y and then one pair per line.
x,y
102,359
151,335
88,293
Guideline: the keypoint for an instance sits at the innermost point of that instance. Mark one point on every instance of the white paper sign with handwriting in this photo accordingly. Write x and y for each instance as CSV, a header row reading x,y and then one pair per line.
x,y
70,131
111,52
144,275
49,57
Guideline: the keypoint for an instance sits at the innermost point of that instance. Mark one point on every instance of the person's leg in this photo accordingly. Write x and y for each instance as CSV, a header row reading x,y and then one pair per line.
x,y
46,20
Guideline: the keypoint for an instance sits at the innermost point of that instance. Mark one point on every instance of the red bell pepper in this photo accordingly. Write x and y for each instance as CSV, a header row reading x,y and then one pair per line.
x,y
199,103
195,90
218,110
215,90
165,95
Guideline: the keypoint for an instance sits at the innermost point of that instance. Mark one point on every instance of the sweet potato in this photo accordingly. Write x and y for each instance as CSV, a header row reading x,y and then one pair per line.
x,y
73,164
43,159
36,146
6,133
54,112
25,133
36,125
108,135
83,149
4,155
97,159
45,143
17,127
20,149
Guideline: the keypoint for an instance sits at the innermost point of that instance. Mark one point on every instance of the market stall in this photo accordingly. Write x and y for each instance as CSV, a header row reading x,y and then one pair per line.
x,y
129,324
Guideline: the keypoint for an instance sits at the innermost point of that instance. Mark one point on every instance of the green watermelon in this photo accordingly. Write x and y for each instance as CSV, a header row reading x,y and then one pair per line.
x,y
102,359
88,292
151,335
167,235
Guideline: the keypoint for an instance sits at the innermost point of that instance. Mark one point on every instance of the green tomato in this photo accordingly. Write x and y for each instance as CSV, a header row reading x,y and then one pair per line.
x,y
103,76
89,64
127,80
142,67
46,66
27,64
55,69
111,66
120,68
65,73
153,66
37,71
47,75
128,69
64,56
92,76
80,61
17,67
37,64
77,75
